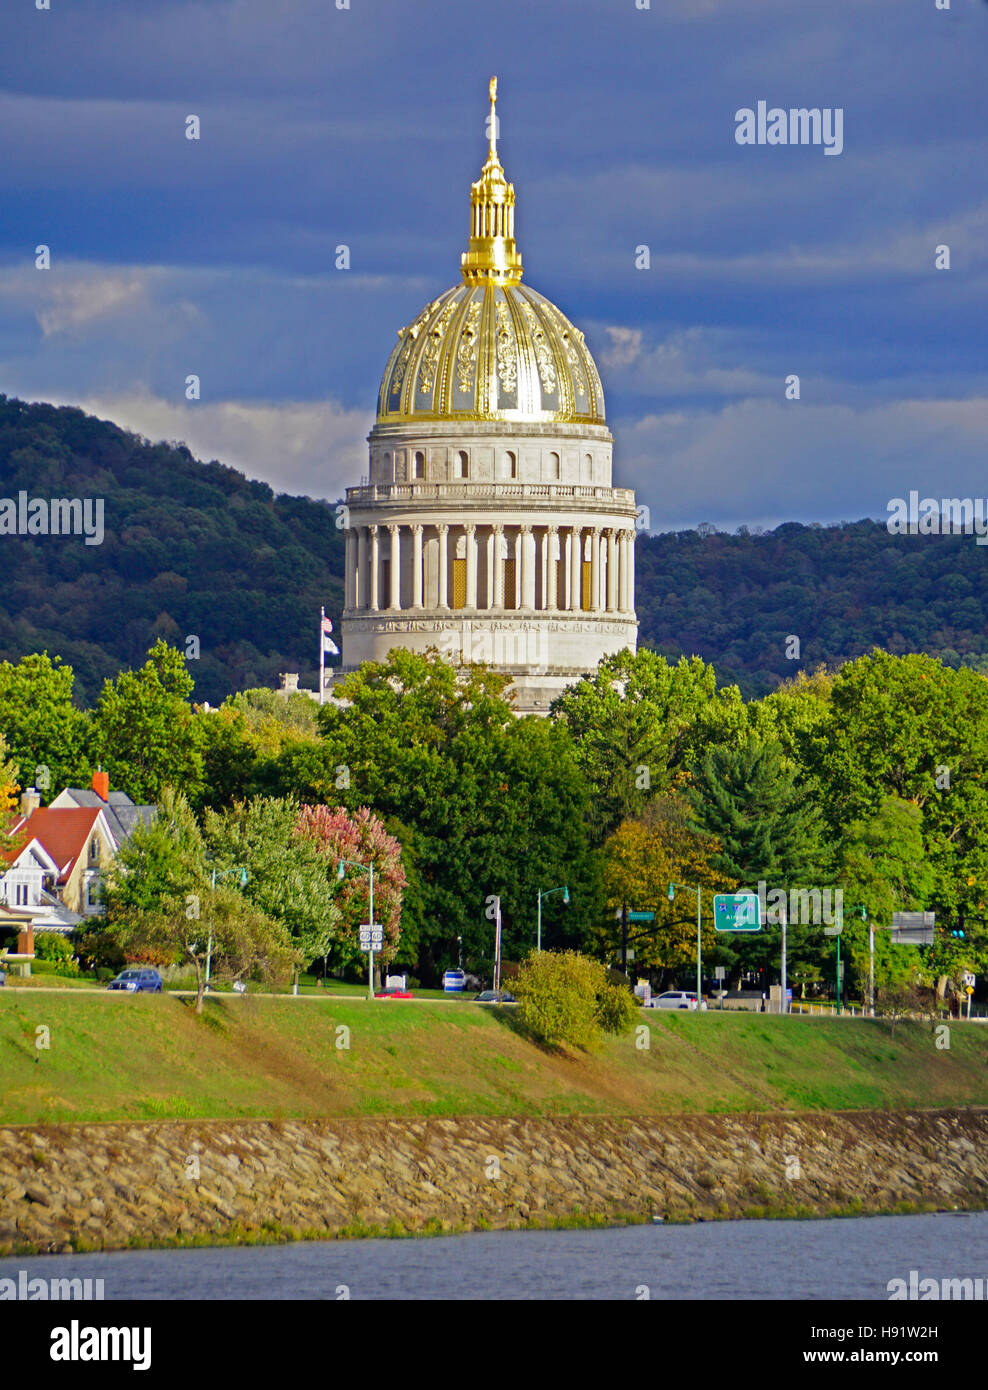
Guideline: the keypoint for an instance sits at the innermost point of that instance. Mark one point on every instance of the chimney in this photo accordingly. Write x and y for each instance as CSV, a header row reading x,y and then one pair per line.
x,y
30,801
101,785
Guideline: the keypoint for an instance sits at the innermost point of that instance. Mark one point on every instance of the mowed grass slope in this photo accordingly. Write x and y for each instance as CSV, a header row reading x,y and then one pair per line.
x,y
114,1057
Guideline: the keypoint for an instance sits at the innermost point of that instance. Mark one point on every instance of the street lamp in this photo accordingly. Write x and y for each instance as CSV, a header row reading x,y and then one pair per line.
x,y
341,869
220,873
836,930
546,894
687,888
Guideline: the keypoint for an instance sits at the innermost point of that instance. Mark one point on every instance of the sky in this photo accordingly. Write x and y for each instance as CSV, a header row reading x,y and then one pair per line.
x,y
364,126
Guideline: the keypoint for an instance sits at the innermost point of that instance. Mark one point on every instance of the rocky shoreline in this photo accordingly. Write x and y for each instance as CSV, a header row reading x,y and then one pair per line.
x,y
113,1186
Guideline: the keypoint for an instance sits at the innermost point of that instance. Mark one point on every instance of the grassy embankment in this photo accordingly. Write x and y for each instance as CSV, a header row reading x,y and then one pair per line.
x,y
114,1057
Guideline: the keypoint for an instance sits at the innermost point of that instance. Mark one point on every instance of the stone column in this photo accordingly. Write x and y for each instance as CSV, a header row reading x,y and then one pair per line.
x,y
612,569
498,574
443,530
595,568
395,566
527,568
360,595
471,534
576,572
630,595
348,571
551,569
417,565
374,567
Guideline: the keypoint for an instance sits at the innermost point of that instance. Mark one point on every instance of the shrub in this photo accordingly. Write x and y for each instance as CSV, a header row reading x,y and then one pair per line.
x,y
617,1008
50,945
54,954
564,997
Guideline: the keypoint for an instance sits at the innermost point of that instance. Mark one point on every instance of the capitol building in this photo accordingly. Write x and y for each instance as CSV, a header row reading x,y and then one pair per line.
x,y
489,528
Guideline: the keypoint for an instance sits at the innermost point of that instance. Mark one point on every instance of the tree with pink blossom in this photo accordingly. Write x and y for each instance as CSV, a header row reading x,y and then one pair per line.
x,y
361,838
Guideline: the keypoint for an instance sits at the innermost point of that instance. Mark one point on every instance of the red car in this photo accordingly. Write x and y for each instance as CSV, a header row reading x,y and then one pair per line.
x,y
393,994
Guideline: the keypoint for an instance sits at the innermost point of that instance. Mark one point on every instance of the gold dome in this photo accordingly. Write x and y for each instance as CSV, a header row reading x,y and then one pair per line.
x,y
491,349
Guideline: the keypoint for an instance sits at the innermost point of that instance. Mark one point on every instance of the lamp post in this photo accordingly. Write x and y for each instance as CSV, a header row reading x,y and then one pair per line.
x,y
836,930
366,869
220,873
687,888
547,894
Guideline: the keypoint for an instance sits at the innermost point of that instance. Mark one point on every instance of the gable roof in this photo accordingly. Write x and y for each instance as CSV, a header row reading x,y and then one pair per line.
x,y
63,832
121,815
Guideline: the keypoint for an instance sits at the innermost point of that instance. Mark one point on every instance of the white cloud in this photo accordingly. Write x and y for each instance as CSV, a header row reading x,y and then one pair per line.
x,y
310,447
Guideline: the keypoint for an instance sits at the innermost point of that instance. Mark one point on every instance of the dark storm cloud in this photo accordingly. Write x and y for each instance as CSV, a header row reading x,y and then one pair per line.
x,y
364,126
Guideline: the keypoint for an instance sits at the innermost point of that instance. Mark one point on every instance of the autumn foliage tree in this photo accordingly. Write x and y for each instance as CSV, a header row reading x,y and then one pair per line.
x,y
641,859
362,839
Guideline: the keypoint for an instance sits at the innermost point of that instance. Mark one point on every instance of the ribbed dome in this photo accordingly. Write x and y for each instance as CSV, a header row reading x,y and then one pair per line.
x,y
491,352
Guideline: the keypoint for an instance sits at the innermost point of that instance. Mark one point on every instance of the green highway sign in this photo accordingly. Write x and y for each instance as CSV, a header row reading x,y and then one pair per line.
x,y
737,912
641,916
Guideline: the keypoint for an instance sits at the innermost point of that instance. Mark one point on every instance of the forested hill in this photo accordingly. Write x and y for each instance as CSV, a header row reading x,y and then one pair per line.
x,y
189,548
195,548
735,599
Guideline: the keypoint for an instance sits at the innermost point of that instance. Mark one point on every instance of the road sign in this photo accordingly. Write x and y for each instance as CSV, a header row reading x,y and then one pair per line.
x,y
969,978
641,916
913,928
371,938
970,989
720,972
737,912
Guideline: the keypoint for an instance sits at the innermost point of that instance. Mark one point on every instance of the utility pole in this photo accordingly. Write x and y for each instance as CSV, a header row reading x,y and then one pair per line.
x,y
624,939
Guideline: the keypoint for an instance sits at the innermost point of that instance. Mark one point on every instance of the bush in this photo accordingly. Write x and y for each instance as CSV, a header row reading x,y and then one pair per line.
x,y
50,945
54,954
564,997
617,1008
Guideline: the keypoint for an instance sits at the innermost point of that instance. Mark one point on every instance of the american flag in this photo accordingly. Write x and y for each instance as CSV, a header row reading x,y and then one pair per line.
x,y
327,625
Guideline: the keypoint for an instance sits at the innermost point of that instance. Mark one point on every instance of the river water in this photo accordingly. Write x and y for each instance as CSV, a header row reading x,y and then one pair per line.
x,y
827,1259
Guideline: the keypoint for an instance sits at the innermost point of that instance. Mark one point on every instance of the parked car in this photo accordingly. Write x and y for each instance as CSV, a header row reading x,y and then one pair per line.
x,y
394,994
677,999
490,996
138,981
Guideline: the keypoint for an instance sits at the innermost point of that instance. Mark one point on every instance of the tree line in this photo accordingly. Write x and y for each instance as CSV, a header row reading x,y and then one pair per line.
x,y
871,779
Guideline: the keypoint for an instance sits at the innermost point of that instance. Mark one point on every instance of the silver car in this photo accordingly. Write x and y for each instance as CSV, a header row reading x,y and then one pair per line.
x,y
677,999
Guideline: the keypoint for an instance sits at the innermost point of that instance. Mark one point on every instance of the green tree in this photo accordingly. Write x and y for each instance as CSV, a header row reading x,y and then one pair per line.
x,y
46,734
145,732
911,728
489,804
630,722
287,878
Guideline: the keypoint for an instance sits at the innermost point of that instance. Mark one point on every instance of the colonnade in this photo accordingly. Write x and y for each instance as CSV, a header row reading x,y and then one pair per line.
x,y
542,568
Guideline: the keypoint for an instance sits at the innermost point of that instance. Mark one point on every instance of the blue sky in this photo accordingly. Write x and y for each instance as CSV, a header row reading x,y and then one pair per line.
x,y
365,126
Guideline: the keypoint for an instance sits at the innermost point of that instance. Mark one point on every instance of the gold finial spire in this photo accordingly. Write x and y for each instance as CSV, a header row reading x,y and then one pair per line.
x,y
492,254
493,91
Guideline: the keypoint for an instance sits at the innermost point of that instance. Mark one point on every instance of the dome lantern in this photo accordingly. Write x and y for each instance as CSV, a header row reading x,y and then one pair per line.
x,y
492,254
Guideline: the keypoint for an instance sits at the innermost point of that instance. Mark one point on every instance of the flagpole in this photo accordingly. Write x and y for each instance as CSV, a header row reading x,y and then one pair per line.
x,y
322,655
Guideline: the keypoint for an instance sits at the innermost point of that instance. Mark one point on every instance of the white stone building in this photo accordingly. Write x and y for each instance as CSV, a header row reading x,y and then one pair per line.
x,y
489,528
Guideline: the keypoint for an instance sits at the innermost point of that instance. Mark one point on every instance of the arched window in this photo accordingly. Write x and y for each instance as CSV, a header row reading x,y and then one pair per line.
x,y
587,476
509,464
553,467
461,464
418,468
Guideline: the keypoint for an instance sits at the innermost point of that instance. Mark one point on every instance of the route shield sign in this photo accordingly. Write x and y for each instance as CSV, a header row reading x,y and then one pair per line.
x,y
371,937
737,912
